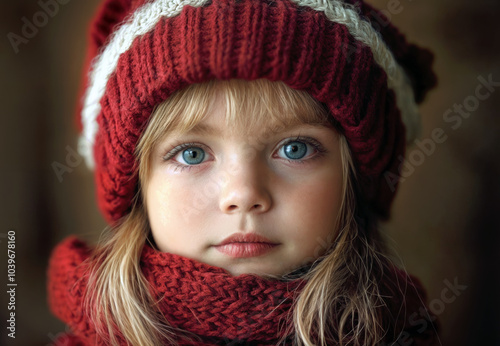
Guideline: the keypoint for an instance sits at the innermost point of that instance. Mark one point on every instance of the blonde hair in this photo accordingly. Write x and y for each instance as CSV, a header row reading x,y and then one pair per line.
x,y
342,302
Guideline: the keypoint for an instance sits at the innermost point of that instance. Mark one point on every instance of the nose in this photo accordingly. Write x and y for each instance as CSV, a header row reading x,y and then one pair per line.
x,y
245,190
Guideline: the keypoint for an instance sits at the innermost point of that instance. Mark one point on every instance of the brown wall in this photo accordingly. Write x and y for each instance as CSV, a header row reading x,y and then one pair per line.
x,y
444,225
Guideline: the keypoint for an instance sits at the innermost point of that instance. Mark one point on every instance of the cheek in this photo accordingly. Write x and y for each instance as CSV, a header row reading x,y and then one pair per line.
x,y
162,203
316,206
157,203
173,204
326,199
165,204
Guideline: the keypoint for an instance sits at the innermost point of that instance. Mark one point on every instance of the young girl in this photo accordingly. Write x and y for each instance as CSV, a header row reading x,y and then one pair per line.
x,y
244,153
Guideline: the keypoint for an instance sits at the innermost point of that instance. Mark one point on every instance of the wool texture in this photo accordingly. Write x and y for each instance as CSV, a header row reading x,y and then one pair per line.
x,y
368,80
205,300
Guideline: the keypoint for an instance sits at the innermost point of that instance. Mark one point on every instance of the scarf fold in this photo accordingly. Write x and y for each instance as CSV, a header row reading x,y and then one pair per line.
x,y
195,297
208,301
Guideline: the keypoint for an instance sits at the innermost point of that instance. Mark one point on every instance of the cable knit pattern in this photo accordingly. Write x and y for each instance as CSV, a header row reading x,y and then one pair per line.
x,y
205,300
277,40
208,301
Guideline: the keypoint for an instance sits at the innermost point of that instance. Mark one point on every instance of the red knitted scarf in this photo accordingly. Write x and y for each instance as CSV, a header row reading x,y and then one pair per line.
x,y
196,297
205,300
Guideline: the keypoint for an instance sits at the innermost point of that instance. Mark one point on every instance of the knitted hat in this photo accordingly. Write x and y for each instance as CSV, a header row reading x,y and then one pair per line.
x,y
345,54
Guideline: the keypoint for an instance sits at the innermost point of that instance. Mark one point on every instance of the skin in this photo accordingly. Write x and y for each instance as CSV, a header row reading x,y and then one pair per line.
x,y
246,183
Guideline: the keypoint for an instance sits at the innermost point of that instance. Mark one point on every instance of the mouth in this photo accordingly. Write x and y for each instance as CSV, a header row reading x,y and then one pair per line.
x,y
246,245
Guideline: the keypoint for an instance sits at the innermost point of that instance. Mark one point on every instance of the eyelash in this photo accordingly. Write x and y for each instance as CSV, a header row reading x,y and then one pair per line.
x,y
320,150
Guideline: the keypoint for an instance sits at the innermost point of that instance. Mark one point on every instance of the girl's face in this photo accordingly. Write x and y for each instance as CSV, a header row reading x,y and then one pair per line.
x,y
262,200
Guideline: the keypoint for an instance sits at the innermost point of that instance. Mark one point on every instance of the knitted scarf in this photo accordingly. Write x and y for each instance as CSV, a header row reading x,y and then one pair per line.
x,y
196,297
204,300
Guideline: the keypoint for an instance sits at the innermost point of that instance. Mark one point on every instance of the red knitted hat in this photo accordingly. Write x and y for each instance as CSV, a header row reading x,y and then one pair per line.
x,y
345,54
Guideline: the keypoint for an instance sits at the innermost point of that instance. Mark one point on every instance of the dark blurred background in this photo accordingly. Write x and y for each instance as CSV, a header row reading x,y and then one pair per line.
x,y
445,225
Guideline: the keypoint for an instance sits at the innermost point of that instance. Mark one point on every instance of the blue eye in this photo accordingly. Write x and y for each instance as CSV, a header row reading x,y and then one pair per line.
x,y
295,150
193,155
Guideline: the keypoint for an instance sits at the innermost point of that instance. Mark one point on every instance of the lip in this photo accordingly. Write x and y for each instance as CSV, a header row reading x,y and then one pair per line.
x,y
241,245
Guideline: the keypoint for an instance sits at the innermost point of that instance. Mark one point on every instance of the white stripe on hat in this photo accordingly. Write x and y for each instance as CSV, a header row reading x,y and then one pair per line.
x,y
146,17
142,21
